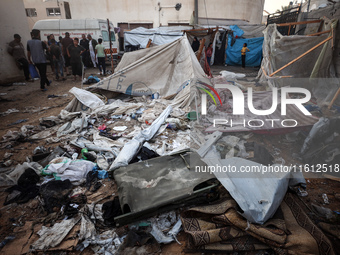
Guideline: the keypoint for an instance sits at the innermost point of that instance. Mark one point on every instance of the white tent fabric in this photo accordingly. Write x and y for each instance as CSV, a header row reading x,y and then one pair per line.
x,y
160,69
159,36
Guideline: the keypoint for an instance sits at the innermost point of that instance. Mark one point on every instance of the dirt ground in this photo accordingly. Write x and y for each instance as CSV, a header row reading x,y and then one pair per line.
x,y
32,104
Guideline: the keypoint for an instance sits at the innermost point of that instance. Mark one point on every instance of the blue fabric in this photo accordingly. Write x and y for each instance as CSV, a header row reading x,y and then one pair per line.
x,y
33,71
236,31
253,57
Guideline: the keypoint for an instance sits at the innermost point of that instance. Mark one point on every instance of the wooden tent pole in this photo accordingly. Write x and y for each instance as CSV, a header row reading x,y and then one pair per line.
x,y
301,56
334,98
320,33
200,49
149,43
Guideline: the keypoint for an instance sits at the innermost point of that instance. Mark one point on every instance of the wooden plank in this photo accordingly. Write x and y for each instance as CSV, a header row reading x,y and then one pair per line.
x,y
200,49
264,71
298,23
149,43
334,98
198,30
320,33
331,177
301,56
290,26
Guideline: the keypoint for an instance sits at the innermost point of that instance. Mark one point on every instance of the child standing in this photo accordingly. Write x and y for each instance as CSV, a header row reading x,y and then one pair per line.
x,y
209,53
100,53
243,52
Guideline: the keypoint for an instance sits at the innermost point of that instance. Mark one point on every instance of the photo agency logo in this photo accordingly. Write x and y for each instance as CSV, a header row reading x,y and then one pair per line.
x,y
238,105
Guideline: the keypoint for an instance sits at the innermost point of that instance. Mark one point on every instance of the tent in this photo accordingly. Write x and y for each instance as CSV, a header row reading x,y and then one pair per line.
x,y
160,69
161,35
236,39
254,56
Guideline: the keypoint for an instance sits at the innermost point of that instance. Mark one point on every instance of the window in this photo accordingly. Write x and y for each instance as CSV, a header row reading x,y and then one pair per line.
x,y
105,35
53,11
31,12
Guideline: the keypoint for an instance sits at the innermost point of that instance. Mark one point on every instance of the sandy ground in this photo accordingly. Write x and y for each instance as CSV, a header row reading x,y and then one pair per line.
x,y
33,104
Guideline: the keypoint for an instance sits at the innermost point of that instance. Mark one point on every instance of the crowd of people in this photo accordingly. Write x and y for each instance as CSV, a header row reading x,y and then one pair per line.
x,y
61,55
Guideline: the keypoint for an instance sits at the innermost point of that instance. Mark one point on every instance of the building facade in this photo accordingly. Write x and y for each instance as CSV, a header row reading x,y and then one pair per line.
x,y
13,21
148,13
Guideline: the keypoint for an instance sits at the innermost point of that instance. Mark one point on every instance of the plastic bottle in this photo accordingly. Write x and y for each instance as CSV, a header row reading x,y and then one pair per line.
x,y
84,150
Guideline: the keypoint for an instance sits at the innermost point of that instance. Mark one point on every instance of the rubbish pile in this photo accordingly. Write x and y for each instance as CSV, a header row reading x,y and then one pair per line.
x,y
127,174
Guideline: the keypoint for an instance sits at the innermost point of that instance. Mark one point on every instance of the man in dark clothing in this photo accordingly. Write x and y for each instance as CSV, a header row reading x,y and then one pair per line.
x,y
56,58
17,50
74,52
86,54
195,44
66,42
36,54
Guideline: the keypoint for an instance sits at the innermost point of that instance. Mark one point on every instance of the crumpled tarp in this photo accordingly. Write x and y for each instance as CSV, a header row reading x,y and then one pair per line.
x,y
258,192
64,168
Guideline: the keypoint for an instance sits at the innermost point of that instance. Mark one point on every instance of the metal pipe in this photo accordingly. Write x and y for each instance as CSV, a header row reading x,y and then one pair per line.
x,y
308,6
196,12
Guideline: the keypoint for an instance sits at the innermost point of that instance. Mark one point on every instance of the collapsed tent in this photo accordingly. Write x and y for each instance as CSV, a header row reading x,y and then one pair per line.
x,y
279,50
161,35
161,69
301,61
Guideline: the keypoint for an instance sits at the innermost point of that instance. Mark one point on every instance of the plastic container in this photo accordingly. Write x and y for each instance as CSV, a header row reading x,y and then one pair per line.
x,y
192,116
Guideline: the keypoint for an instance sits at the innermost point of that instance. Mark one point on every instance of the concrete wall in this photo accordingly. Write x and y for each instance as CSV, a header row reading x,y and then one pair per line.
x,y
13,21
250,10
149,11
134,11
40,7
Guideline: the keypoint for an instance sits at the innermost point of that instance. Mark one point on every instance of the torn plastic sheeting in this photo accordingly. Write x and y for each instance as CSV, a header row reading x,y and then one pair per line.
x,y
321,128
65,168
131,148
104,244
102,141
69,127
66,115
231,75
258,194
51,237
87,228
83,143
87,98
159,236
117,107
44,134
20,169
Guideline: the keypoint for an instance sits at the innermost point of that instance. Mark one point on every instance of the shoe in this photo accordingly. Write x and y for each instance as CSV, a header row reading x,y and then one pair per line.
x,y
30,80
43,90
49,82
63,79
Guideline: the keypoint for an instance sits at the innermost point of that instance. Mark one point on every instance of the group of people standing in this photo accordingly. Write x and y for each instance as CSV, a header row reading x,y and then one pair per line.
x,y
65,53
94,53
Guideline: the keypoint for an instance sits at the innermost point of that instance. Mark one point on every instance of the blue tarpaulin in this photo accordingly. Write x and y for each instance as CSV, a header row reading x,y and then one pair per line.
x,y
238,32
253,57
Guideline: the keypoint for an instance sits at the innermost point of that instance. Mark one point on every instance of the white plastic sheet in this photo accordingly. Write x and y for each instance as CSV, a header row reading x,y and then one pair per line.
x,y
131,148
258,195
64,168
87,98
